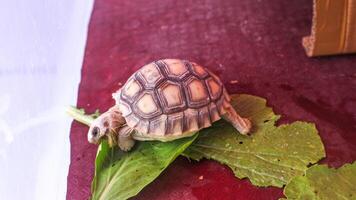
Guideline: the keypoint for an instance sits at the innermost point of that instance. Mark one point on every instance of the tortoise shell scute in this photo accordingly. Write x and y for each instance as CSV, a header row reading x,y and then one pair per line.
x,y
151,75
198,70
171,97
131,89
146,105
175,69
196,92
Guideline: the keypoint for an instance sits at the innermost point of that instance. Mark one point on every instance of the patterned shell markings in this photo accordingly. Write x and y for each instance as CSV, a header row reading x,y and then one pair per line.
x,y
171,97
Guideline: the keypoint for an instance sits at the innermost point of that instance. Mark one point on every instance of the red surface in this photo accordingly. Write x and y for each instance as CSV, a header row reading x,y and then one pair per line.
x,y
256,42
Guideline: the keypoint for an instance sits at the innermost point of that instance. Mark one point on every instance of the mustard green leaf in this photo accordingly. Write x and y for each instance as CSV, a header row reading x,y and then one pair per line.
x,y
323,183
271,156
121,175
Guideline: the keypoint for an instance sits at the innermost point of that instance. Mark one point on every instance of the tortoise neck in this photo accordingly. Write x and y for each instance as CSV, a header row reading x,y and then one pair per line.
x,y
114,121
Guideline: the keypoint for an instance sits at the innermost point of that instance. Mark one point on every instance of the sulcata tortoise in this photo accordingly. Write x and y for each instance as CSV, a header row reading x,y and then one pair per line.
x,y
166,100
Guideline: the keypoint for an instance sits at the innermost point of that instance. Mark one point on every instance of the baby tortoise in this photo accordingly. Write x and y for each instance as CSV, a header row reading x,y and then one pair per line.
x,y
166,100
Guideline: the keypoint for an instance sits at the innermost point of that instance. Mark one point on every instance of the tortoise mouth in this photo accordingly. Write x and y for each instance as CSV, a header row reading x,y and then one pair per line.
x,y
97,140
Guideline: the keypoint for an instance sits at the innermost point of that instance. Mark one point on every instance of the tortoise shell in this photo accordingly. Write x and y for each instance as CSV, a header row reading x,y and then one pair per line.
x,y
171,98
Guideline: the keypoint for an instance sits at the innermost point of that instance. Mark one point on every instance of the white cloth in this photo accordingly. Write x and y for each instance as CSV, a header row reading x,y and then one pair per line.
x,y
41,52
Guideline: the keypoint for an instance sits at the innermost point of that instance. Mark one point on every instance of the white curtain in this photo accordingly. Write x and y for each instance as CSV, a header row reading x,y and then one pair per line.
x,y
41,52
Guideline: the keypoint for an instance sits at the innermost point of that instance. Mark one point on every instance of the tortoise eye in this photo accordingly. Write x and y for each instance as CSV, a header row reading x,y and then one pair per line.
x,y
95,131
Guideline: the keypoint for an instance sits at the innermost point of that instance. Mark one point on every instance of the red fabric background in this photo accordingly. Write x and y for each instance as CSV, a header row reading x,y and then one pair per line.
x,y
256,42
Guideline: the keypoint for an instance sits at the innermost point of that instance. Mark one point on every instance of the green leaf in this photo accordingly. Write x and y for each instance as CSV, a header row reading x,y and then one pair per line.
x,y
121,175
271,156
321,182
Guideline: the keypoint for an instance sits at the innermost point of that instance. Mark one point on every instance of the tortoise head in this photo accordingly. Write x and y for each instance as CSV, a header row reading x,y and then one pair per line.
x,y
108,122
98,130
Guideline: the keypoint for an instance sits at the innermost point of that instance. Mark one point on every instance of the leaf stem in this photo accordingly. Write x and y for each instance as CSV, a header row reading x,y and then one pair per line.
x,y
79,115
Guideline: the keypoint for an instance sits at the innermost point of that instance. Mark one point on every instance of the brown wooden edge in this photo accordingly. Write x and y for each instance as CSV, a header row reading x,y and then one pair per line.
x,y
333,29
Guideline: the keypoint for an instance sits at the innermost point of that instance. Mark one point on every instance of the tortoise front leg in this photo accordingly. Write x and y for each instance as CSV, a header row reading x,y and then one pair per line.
x,y
125,140
242,125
